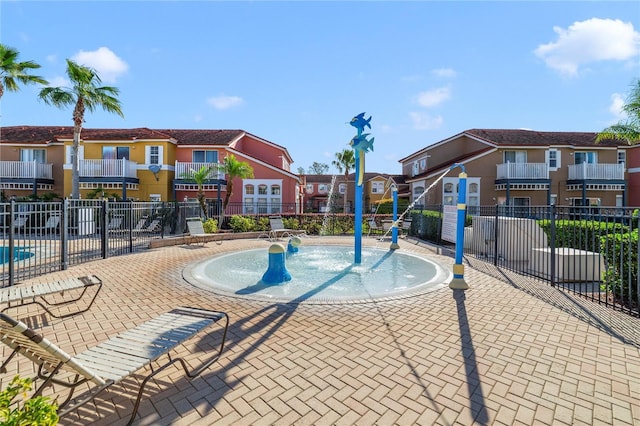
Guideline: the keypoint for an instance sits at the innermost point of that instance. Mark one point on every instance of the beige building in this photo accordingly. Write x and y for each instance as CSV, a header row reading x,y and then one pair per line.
x,y
520,168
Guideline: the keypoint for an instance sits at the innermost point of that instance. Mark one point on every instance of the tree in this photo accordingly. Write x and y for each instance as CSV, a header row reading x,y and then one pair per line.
x,y
318,168
234,168
86,93
13,72
344,162
627,131
301,170
200,177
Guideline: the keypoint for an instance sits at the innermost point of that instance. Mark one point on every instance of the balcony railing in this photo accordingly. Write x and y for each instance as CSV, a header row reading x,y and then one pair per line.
x,y
522,171
184,168
596,171
107,168
26,169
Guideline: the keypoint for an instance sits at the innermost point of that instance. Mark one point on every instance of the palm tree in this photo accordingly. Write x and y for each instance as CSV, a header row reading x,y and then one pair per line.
x,y
234,168
13,72
626,131
200,177
345,161
85,93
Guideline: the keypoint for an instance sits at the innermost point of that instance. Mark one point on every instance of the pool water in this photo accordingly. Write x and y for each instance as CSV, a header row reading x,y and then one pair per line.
x,y
19,253
320,273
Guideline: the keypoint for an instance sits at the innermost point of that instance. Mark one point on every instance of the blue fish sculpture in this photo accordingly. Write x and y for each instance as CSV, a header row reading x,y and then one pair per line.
x,y
359,122
362,143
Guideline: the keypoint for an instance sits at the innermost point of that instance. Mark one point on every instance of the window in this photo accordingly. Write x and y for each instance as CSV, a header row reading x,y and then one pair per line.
x,y
554,199
249,189
262,196
423,164
619,200
309,188
622,157
589,157
262,189
156,198
275,190
154,155
204,156
416,168
473,188
323,188
342,188
248,205
37,155
417,192
553,159
515,156
377,187
448,187
115,152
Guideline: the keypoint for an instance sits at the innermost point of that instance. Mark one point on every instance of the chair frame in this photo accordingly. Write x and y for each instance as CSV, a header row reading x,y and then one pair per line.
x,y
23,295
278,230
111,361
196,230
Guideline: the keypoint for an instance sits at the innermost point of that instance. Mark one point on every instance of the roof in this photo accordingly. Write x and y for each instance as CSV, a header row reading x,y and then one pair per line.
x,y
203,137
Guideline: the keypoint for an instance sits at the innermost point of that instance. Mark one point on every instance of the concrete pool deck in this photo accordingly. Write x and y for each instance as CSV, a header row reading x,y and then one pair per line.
x,y
507,351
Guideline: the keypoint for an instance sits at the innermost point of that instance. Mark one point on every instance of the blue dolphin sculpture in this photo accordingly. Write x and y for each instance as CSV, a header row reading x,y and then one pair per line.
x,y
359,122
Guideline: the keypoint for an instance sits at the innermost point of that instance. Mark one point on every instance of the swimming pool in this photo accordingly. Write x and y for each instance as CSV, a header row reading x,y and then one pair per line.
x,y
19,253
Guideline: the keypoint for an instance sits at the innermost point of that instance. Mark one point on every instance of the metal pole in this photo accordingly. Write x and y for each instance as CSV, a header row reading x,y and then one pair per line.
x,y
458,282
357,259
394,226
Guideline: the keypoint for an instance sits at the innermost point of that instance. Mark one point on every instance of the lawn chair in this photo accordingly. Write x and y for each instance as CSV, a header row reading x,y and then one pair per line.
x,y
115,223
374,227
406,227
38,294
53,223
278,230
114,360
20,223
196,230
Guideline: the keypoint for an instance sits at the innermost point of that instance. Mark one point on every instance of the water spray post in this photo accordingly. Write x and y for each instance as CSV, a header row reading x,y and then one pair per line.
x,y
360,145
394,226
458,282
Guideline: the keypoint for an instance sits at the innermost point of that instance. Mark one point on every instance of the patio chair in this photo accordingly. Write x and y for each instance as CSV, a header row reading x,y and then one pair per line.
x,y
39,294
20,223
113,360
278,230
53,223
406,227
115,223
196,230
374,227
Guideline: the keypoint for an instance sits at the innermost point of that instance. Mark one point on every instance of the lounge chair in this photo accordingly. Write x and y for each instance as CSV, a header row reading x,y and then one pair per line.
x,y
53,223
22,295
406,227
278,230
20,223
196,230
114,360
374,227
115,223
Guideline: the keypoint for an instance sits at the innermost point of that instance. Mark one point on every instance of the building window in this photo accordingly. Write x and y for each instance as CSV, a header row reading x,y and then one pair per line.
x,y
249,189
248,206
423,164
323,188
515,156
416,168
589,157
619,201
448,188
554,199
275,189
473,188
622,158
377,187
417,192
199,156
115,152
266,199
155,198
309,188
262,189
553,159
342,188
154,155
37,155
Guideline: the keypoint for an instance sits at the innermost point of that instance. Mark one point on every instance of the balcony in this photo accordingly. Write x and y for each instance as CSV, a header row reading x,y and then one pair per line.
x,y
183,168
607,172
27,170
529,171
121,168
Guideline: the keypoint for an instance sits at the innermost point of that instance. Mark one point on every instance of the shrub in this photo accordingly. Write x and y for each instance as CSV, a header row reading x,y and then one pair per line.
x,y
241,224
34,411
581,234
621,276
210,226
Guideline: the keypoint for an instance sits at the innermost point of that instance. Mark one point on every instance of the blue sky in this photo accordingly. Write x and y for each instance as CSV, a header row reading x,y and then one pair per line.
x,y
296,72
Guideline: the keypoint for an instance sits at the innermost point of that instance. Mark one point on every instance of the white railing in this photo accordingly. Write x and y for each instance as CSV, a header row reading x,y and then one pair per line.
x,y
183,169
596,171
522,171
107,168
26,169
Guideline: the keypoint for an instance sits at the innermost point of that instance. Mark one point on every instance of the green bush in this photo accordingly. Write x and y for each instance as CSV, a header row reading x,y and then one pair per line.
x,y
581,234
621,275
34,411
210,226
242,223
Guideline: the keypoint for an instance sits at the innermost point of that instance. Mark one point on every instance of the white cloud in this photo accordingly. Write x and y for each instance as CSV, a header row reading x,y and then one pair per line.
x,y
108,65
433,97
444,72
617,103
58,82
52,58
424,121
225,102
590,41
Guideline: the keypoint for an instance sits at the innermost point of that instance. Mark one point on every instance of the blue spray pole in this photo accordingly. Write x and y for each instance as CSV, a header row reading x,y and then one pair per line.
x,y
357,258
458,282
394,226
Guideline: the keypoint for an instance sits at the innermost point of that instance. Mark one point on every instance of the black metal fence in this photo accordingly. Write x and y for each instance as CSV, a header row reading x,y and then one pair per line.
x,y
590,251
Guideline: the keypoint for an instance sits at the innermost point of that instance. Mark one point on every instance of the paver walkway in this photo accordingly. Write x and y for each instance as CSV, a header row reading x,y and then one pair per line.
x,y
494,354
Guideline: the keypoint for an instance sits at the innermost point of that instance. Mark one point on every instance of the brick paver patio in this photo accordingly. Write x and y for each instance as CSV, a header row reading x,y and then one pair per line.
x,y
506,351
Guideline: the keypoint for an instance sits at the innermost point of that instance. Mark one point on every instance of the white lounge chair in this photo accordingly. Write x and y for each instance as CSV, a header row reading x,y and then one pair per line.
x,y
278,230
114,360
196,230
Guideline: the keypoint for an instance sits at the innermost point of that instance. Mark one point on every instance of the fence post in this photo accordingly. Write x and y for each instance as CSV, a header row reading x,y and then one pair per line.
x,y
103,232
552,261
64,235
495,237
